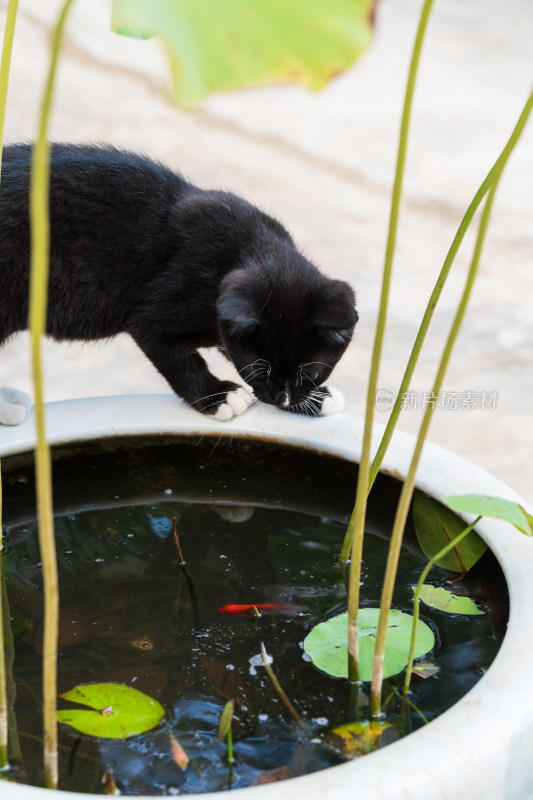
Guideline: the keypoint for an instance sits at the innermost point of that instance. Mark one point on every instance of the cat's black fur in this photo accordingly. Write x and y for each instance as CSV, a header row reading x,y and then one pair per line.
x,y
135,248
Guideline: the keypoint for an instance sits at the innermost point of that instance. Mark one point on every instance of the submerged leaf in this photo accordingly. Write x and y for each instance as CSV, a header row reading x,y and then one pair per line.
x,y
426,669
218,46
327,643
359,738
436,526
487,506
444,600
120,711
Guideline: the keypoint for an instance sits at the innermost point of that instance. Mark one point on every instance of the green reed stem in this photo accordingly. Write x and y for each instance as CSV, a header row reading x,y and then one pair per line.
x,y
5,66
353,541
277,686
426,319
40,242
408,486
229,739
416,602
409,702
4,727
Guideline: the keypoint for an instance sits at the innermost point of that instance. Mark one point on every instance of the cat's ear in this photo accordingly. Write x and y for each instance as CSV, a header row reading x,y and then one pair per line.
x,y
235,306
336,315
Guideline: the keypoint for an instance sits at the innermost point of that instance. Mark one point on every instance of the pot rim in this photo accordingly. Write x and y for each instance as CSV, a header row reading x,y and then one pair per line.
x,y
482,745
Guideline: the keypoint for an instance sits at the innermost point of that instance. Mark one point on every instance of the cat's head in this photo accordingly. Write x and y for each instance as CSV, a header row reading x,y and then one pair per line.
x,y
284,325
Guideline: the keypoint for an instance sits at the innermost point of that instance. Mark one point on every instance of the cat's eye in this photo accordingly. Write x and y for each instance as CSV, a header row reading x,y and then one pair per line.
x,y
334,336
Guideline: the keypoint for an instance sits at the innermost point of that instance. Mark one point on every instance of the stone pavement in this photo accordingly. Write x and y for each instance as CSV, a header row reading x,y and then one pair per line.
x,y
323,163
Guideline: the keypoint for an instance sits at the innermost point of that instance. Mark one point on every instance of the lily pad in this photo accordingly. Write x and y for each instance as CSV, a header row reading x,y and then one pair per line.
x,y
487,506
120,711
218,46
436,526
327,643
443,600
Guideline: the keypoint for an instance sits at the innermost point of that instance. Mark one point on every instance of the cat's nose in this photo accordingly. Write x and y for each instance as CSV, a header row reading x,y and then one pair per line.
x,y
283,396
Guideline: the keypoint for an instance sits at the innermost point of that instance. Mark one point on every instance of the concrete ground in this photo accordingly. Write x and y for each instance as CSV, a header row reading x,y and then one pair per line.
x,y
323,163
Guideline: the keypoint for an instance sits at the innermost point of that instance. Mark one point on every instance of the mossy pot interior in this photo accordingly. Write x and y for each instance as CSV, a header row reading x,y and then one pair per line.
x,y
483,743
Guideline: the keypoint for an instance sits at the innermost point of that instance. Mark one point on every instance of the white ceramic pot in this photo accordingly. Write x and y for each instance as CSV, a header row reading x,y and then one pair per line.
x,y
480,748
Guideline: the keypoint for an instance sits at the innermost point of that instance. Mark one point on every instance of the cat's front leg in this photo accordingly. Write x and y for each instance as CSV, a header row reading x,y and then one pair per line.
x,y
189,377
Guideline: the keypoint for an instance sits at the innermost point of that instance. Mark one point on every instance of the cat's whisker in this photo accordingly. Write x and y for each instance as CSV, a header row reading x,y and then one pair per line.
x,y
205,410
256,374
247,366
260,363
207,397
315,402
216,444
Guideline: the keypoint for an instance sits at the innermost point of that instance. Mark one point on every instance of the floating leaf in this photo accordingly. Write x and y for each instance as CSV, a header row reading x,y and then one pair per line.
x,y
487,506
121,711
219,46
443,600
359,738
327,643
436,526
225,719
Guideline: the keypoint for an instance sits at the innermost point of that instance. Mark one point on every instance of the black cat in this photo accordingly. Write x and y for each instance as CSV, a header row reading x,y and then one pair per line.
x,y
135,248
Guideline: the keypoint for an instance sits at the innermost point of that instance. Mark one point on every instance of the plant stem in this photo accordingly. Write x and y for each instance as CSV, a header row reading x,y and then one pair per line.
x,y
277,686
5,66
416,601
410,703
231,760
353,541
181,560
4,727
229,739
424,325
408,486
40,238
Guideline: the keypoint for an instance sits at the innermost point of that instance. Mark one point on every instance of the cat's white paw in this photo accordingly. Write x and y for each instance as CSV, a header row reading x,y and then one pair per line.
x,y
236,403
14,406
333,402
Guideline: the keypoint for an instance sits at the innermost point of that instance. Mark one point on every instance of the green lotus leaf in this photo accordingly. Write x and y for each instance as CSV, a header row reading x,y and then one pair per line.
x,y
486,506
120,711
443,600
218,46
327,643
436,526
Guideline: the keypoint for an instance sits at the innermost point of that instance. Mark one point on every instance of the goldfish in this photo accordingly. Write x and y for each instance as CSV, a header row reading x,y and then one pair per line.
x,y
245,609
